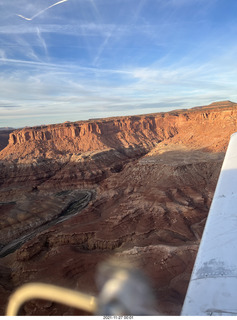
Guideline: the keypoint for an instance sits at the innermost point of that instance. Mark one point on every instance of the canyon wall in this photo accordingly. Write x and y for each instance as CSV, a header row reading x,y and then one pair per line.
x,y
152,179
146,131
4,137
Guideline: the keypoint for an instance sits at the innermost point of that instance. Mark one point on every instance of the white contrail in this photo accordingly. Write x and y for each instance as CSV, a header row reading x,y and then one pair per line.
x,y
37,14
42,42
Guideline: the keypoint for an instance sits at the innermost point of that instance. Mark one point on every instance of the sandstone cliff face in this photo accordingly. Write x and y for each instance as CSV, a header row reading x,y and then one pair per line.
x,y
4,137
152,178
189,126
74,138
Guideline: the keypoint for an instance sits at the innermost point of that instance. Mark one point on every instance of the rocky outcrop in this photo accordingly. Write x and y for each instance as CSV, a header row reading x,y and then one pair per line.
x,y
4,136
24,218
74,138
152,212
153,179
80,170
146,131
85,153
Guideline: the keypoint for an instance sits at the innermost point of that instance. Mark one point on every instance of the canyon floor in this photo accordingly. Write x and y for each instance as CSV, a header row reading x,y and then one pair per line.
x,y
137,188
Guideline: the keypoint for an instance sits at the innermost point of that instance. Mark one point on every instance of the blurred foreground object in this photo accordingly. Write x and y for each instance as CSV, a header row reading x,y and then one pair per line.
x,y
213,286
124,290
49,292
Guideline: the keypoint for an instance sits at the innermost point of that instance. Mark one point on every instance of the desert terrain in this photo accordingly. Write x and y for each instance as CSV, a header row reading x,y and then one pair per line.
x,y
138,187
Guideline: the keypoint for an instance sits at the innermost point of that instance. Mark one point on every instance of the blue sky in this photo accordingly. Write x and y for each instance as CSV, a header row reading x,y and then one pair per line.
x,y
82,59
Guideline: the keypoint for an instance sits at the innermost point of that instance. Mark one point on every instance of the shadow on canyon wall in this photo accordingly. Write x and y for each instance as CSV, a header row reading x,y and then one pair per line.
x,y
149,199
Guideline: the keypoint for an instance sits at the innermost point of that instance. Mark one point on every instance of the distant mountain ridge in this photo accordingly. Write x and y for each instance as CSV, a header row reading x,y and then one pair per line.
x,y
218,104
6,128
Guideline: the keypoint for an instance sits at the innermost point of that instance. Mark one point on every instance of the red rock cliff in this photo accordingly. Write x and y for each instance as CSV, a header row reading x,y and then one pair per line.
x,y
192,126
152,177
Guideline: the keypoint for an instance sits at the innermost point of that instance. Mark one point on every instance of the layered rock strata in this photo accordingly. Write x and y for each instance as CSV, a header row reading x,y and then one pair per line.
x,y
4,137
152,178
145,131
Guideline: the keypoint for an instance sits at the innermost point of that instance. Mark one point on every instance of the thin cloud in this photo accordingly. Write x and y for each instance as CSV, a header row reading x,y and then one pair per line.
x,y
104,58
42,11
96,10
138,10
102,47
9,106
42,41
2,55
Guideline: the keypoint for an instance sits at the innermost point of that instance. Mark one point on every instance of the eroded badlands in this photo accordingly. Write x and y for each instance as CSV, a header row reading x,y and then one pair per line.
x,y
139,187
